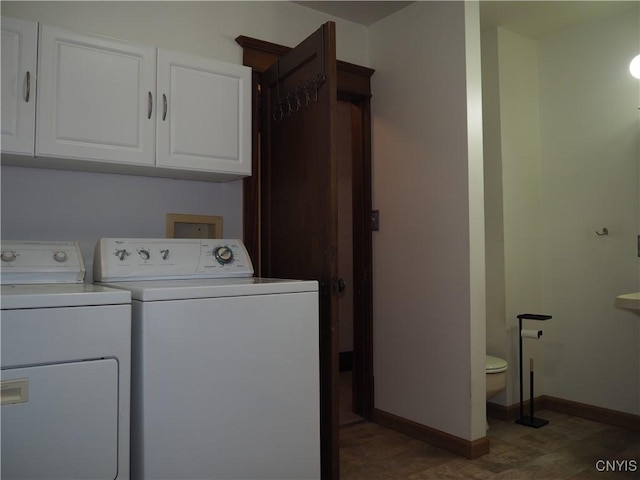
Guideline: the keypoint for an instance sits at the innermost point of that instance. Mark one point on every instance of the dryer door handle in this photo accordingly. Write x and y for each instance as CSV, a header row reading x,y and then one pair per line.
x,y
14,391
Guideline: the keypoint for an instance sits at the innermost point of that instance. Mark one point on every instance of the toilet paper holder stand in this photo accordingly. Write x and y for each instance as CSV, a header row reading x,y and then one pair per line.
x,y
529,420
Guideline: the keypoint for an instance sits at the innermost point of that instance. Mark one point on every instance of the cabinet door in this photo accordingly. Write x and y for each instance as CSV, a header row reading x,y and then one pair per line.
x,y
19,42
95,98
204,114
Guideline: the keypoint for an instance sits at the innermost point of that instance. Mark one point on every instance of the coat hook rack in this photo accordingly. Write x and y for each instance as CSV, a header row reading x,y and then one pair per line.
x,y
530,420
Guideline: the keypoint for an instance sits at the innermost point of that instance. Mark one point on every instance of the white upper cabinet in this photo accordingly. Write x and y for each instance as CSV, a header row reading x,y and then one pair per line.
x,y
19,49
95,98
204,114
110,105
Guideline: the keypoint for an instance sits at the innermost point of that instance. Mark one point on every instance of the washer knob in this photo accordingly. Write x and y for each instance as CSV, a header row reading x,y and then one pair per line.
x,y
144,254
122,254
8,256
223,254
60,256
164,254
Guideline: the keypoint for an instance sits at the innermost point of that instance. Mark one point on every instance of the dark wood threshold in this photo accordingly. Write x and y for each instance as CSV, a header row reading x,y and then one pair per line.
x,y
577,409
459,446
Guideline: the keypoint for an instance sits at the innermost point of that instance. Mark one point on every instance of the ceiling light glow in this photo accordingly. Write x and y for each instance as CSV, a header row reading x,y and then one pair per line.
x,y
634,66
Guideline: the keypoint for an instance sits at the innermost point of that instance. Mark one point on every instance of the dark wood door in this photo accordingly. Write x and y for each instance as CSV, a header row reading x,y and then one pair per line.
x,y
299,224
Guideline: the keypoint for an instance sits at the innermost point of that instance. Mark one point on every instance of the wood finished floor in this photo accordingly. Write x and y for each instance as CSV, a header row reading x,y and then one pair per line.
x,y
567,448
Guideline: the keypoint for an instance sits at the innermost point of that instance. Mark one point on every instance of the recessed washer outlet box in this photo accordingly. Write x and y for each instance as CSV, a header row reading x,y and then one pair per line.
x,y
182,225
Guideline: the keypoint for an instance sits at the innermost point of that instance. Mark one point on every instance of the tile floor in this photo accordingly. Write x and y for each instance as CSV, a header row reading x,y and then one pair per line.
x,y
568,448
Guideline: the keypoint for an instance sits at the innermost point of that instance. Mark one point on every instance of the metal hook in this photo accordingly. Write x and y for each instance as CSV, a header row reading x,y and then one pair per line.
x,y
293,100
281,116
288,110
278,105
307,97
297,97
605,231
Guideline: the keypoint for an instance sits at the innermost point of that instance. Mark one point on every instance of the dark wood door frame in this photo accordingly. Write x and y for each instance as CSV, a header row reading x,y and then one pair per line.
x,y
353,86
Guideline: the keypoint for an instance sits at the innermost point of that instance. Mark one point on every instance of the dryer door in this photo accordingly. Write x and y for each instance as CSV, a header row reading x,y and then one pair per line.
x,y
60,421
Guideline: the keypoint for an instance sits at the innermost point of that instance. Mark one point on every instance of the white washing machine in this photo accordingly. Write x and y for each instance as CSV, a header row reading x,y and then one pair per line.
x,y
225,366
65,367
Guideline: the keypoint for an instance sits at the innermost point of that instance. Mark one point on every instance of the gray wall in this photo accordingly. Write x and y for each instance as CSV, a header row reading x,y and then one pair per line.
x,y
39,204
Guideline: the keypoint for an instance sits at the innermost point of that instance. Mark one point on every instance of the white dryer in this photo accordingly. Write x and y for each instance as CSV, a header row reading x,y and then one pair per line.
x,y
225,366
65,367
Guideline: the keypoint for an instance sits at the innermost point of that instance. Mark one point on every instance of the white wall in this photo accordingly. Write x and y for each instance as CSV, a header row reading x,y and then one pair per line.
x,y
514,223
590,132
497,344
562,161
426,320
49,205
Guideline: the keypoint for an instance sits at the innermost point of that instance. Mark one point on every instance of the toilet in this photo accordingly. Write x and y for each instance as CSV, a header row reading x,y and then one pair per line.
x,y
496,373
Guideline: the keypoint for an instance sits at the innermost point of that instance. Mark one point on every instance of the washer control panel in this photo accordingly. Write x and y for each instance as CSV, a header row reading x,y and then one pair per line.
x,y
34,262
122,259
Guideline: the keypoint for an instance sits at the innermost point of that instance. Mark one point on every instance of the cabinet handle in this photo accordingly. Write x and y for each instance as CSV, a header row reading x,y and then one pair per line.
x,y
150,108
27,81
164,107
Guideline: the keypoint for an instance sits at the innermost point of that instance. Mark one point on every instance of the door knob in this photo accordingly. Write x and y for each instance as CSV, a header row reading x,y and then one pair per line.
x,y
341,285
